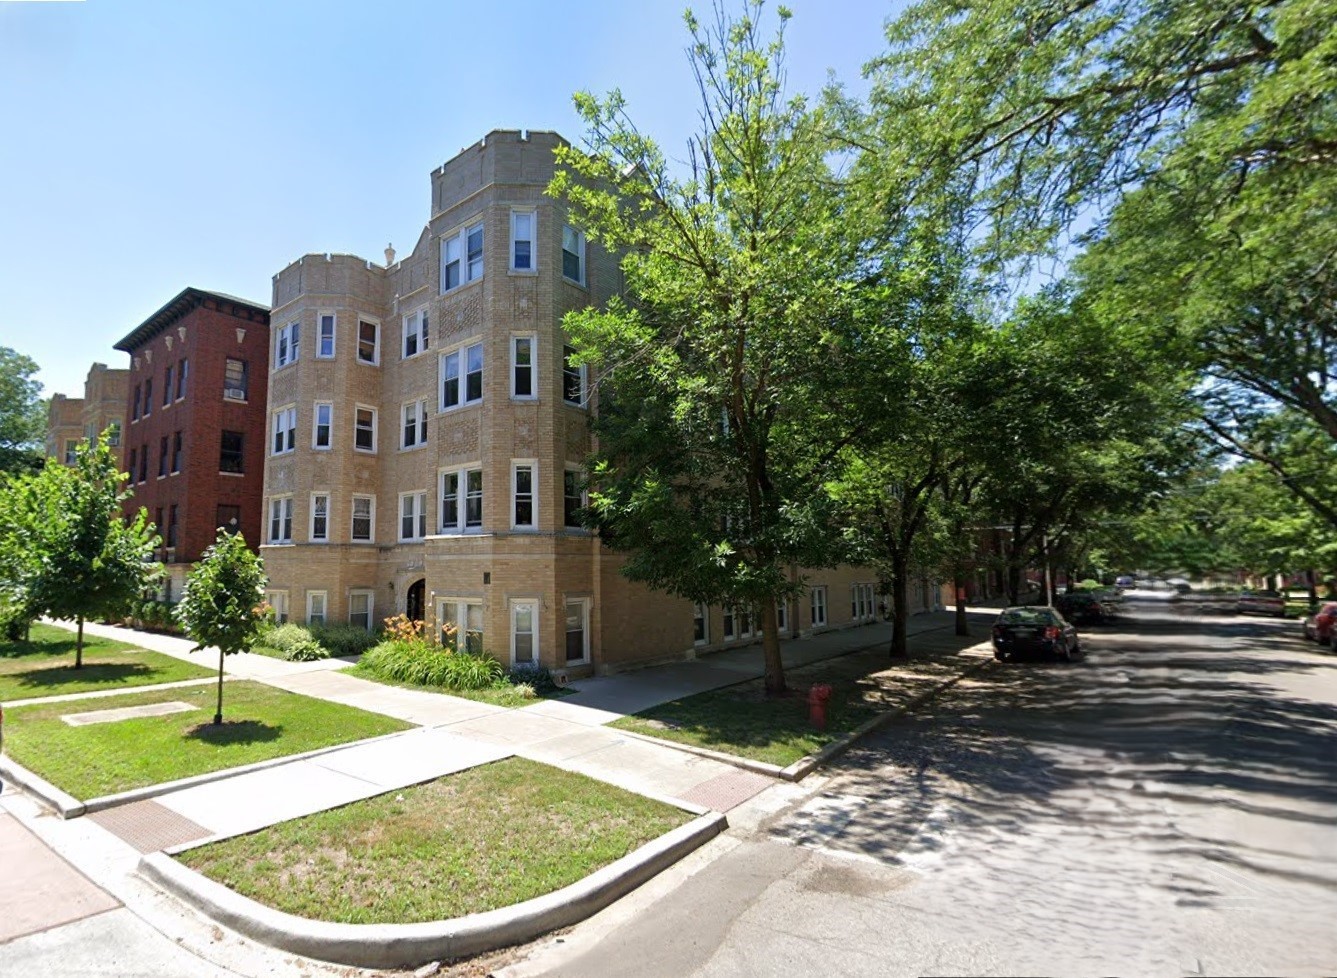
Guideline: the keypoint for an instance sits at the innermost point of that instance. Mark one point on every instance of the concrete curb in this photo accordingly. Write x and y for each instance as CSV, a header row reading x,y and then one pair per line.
x,y
408,945
804,766
65,805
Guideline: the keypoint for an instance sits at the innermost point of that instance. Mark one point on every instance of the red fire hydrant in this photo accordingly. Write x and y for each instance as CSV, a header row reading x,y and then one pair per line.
x,y
817,697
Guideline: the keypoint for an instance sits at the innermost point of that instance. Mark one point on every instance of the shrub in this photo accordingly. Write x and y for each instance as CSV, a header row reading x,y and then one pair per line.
x,y
341,638
306,650
285,637
428,665
535,676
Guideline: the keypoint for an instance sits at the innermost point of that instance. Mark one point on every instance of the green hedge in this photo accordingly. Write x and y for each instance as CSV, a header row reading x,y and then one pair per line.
x,y
429,665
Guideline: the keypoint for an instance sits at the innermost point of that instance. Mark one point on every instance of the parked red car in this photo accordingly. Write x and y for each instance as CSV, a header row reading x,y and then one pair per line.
x,y
1319,626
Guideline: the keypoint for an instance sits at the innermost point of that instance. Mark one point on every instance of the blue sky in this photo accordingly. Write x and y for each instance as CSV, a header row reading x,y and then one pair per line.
x,y
146,146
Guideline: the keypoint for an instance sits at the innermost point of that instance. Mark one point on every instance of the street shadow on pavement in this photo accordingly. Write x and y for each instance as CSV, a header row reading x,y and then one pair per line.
x,y
1112,744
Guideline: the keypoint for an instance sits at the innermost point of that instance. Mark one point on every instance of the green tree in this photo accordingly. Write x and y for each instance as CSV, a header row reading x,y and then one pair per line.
x,y
726,380
85,559
220,604
1048,108
22,413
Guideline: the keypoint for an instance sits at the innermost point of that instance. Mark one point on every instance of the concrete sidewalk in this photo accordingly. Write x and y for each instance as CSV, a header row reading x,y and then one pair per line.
x,y
570,733
454,734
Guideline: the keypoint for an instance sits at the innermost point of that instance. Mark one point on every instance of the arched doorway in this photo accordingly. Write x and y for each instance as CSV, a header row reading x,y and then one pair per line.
x,y
415,601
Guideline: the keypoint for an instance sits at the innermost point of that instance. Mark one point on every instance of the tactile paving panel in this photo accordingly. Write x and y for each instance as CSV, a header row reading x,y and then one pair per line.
x,y
726,791
149,826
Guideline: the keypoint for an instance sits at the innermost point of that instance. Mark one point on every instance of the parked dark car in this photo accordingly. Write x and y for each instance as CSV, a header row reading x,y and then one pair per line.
x,y
1261,603
1084,607
1020,632
1319,626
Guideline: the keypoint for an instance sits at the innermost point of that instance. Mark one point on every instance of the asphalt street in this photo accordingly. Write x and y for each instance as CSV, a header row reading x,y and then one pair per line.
x,y
1168,806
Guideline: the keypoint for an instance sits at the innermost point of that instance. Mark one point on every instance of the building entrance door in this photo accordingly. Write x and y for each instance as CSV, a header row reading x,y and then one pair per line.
x,y
415,603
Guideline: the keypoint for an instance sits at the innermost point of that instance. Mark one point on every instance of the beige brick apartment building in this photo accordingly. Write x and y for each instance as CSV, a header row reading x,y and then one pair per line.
x,y
71,420
426,437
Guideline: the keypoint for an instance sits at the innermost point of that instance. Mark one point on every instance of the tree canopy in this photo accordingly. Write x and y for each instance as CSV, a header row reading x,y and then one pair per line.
x,y
22,413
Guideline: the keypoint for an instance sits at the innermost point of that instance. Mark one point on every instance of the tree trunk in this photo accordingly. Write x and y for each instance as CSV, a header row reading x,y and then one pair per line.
x,y
959,585
79,645
770,647
1313,587
1013,582
900,645
218,712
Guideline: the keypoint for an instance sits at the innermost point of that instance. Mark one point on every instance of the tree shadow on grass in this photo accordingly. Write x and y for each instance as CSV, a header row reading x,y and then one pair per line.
x,y
20,650
55,676
235,732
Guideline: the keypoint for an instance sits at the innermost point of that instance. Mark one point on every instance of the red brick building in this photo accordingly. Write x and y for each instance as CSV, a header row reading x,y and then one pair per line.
x,y
195,421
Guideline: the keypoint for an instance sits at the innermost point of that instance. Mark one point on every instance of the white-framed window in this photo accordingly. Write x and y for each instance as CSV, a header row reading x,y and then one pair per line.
x,y
573,254
361,604
524,632
368,341
417,333
573,378
461,623
524,511
182,372
234,379
522,367
577,630
700,624
280,519
285,430
574,498
278,600
462,257
413,427
412,515
862,607
782,615
462,501
320,517
524,256
322,424
462,376
287,344
745,620
728,626
818,606
325,323
364,428
316,604
364,519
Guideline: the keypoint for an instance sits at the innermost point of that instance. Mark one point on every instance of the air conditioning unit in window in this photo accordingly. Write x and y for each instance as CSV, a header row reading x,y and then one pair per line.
x,y
232,394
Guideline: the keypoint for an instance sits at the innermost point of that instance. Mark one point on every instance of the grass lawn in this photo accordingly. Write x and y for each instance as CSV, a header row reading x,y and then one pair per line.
x,y
260,722
43,666
743,721
487,837
508,696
